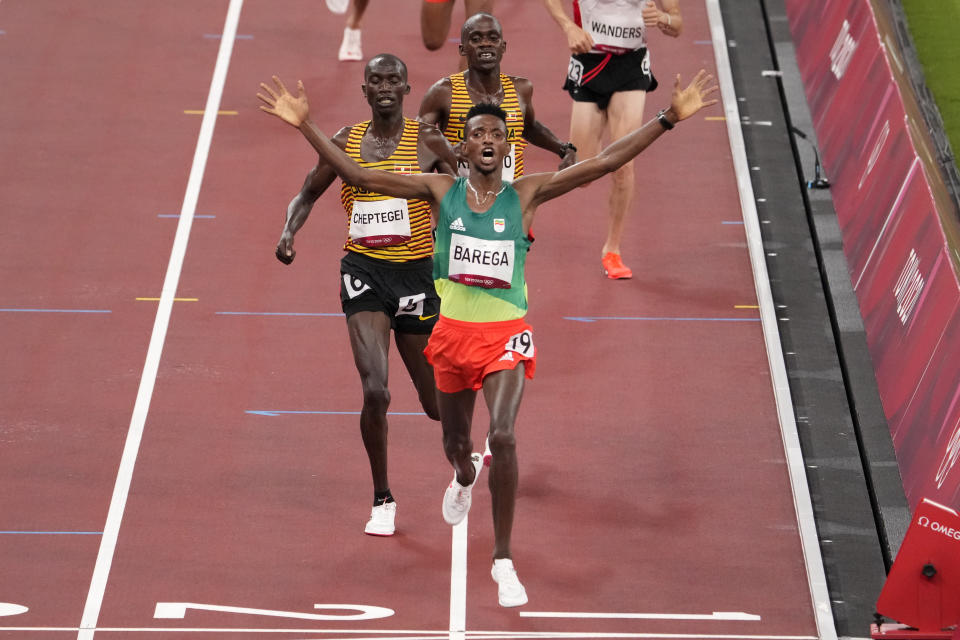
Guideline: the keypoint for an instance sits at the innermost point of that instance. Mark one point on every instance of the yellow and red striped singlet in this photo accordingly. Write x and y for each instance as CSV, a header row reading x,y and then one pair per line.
x,y
460,103
403,160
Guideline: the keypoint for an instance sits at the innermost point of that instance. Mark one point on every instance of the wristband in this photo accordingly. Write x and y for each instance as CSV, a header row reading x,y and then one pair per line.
x,y
662,119
567,146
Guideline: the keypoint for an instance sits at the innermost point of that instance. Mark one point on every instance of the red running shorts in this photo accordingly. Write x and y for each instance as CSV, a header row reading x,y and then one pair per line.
x,y
463,353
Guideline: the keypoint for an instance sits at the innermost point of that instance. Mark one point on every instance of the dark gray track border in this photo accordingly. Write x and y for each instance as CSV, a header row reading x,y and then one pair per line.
x,y
855,484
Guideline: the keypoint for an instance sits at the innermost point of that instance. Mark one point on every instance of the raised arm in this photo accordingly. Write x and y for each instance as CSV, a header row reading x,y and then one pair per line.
x,y
295,111
536,133
538,188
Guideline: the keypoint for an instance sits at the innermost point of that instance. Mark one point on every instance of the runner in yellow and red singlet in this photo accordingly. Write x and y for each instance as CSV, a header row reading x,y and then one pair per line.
x,y
386,277
446,103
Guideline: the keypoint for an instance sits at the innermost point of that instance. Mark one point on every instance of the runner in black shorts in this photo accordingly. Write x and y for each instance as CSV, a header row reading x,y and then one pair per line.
x,y
401,290
608,78
386,279
595,77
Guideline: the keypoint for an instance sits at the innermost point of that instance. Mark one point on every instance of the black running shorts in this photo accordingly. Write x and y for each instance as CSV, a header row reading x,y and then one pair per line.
x,y
402,290
594,77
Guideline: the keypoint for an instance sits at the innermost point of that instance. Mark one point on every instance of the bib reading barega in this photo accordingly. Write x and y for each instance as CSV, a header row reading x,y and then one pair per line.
x,y
481,263
509,165
380,223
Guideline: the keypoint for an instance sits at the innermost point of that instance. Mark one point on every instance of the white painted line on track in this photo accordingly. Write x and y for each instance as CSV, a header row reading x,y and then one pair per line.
x,y
390,634
816,577
458,581
716,615
118,502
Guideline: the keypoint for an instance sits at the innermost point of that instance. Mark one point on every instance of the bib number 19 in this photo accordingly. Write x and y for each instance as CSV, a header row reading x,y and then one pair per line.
x,y
522,343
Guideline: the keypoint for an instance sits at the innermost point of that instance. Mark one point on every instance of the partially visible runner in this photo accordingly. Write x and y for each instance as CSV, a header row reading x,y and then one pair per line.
x,y
386,273
435,19
351,48
446,103
482,239
608,78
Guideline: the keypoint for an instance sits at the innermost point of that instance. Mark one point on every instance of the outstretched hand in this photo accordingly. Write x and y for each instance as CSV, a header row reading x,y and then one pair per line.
x,y
686,102
281,103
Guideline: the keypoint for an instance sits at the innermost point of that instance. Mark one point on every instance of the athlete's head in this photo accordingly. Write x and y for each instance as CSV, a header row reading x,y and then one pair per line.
x,y
485,137
481,41
385,81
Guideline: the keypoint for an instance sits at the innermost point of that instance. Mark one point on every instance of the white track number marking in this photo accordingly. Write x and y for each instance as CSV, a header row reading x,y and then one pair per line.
x,y
11,609
364,612
522,343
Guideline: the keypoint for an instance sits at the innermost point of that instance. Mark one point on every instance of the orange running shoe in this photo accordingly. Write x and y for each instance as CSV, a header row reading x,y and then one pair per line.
x,y
614,268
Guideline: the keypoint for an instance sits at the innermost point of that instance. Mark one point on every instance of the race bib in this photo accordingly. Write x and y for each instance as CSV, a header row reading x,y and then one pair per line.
x,y
380,223
411,305
481,263
522,343
615,31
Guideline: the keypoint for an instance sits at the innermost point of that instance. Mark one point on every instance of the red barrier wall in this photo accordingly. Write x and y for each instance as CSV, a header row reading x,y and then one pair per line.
x,y
895,222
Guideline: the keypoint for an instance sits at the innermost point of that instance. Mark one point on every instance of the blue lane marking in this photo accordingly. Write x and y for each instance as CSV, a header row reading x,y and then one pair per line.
x,y
56,311
275,413
217,36
53,533
276,313
595,318
732,222
703,42
177,215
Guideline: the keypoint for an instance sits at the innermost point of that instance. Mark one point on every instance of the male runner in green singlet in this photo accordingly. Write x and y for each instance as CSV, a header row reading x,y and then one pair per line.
x,y
482,225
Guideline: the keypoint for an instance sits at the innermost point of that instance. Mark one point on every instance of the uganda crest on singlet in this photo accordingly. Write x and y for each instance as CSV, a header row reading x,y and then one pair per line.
x,y
379,226
478,264
460,104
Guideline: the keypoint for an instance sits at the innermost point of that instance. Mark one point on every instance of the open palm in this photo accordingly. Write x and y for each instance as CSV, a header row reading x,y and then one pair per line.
x,y
293,110
687,101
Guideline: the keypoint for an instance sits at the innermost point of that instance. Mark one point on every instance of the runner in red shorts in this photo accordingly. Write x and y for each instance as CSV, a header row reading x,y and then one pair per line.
x,y
481,340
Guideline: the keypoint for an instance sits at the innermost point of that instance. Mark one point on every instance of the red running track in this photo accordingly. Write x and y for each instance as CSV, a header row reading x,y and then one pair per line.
x,y
654,485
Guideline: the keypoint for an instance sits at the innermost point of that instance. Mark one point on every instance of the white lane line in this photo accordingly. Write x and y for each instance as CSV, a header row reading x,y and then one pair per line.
x,y
381,634
98,583
458,581
716,615
816,577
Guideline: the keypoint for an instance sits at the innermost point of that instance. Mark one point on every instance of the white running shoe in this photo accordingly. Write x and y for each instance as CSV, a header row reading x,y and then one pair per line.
x,y
509,590
487,455
350,47
381,520
338,6
457,498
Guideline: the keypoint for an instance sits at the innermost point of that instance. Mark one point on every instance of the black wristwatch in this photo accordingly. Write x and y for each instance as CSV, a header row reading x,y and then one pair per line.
x,y
662,118
567,146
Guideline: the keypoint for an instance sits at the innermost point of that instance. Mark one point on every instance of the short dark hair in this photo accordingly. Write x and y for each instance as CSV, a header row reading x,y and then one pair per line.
x,y
485,108
480,14
387,58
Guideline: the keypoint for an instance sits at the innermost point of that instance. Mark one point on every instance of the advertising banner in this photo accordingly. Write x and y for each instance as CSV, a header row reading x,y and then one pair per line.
x,y
893,238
